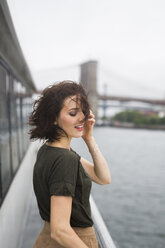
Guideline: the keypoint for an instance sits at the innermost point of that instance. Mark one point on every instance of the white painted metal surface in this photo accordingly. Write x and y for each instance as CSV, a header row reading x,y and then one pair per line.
x,y
103,236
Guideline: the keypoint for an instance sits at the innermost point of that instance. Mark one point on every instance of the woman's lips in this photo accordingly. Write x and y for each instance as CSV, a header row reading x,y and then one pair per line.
x,y
79,127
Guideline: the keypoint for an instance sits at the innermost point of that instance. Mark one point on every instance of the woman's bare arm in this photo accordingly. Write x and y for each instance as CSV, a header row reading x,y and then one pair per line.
x,y
61,231
99,171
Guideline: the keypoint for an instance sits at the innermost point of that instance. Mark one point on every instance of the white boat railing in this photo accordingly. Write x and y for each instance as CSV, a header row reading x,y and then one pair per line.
x,y
102,233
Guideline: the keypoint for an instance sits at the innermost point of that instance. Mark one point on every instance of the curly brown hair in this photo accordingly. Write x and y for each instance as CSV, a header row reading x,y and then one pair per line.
x,y
47,108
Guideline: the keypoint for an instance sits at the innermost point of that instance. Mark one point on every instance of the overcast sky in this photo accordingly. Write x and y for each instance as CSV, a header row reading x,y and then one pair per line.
x,y
127,37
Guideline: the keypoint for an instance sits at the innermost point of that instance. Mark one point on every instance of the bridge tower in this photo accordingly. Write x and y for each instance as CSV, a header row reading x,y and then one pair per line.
x,y
88,78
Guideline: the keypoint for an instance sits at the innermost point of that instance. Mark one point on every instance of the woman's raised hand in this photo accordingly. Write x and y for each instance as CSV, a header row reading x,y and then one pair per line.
x,y
88,127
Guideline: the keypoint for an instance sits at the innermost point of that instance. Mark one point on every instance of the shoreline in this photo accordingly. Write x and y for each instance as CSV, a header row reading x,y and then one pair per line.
x,y
131,126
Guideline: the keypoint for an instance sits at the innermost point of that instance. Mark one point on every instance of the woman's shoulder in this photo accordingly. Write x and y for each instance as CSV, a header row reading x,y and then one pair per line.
x,y
58,152
75,153
50,155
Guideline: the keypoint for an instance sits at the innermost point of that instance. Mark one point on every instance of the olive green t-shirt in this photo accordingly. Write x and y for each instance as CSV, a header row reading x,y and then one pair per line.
x,y
58,171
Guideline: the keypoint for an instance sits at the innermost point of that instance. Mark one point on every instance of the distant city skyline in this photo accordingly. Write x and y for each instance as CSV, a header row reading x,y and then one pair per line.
x,y
126,37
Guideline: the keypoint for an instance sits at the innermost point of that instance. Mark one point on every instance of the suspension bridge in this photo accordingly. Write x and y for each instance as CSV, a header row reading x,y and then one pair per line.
x,y
109,90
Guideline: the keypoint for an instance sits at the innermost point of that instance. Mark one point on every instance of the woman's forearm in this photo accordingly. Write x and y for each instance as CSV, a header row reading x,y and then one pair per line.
x,y
100,165
68,238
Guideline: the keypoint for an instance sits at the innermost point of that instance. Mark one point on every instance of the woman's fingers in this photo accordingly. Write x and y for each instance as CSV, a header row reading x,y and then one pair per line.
x,y
91,118
91,121
91,115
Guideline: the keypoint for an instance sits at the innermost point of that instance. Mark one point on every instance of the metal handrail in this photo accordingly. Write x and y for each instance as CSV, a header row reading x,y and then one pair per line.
x,y
102,233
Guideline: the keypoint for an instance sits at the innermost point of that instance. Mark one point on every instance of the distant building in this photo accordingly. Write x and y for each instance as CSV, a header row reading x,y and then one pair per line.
x,y
161,114
149,112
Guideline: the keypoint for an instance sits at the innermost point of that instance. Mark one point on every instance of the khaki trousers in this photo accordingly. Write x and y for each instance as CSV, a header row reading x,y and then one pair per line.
x,y
87,235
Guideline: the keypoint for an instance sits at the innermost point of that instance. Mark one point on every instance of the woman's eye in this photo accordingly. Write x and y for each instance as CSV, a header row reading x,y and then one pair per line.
x,y
72,114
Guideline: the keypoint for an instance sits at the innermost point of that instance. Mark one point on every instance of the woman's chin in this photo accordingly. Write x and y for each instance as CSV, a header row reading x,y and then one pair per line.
x,y
78,135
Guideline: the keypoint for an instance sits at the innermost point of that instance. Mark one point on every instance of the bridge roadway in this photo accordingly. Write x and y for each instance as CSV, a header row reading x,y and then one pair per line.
x,y
125,99
129,99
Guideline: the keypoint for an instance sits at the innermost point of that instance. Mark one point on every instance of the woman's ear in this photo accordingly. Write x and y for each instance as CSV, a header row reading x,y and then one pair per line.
x,y
55,123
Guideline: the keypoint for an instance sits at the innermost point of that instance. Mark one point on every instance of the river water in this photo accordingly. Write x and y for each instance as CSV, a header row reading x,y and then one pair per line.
x,y
133,205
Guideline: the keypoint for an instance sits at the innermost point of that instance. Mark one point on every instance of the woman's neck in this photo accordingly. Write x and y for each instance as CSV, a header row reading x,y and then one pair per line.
x,y
63,143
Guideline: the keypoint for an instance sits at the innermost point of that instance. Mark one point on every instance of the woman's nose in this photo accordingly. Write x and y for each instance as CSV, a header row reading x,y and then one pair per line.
x,y
81,117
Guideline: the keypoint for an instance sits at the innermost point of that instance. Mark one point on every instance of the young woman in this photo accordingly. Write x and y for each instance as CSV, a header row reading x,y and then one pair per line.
x,y
61,178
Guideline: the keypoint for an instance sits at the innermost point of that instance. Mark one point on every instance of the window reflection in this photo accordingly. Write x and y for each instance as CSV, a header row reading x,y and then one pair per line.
x,y
5,163
15,106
